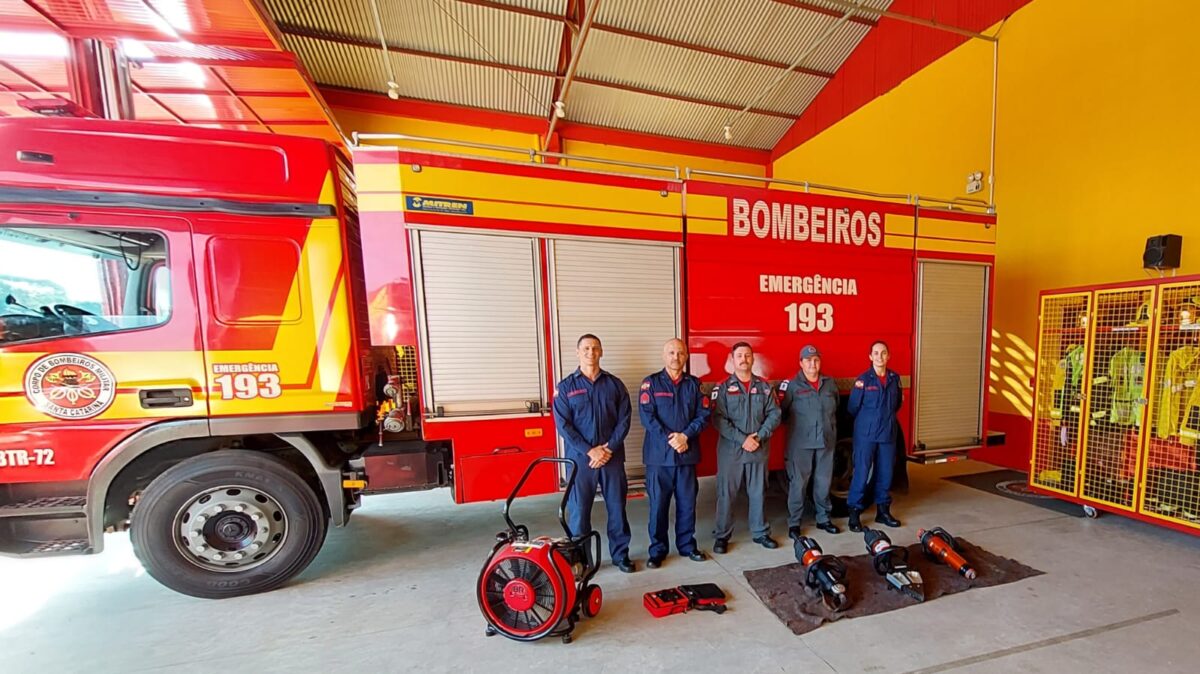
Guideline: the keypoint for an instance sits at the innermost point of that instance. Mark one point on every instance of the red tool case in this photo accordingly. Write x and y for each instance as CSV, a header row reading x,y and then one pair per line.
x,y
702,597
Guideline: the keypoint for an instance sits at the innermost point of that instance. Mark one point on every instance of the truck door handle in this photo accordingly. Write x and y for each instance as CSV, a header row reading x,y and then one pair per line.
x,y
156,398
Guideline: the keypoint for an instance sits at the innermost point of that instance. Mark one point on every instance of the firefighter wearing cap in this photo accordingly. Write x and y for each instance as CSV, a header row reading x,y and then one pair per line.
x,y
745,413
874,401
592,414
809,402
673,412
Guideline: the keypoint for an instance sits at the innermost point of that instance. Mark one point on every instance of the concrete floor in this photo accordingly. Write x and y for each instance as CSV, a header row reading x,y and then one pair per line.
x,y
394,592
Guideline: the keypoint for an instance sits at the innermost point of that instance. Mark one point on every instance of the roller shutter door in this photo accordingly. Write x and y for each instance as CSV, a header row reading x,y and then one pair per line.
x,y
481,322
952,346
628,296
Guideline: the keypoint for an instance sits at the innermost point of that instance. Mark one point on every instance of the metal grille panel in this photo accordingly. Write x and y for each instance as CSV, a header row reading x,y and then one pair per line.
x,y
952,342
1116,395
1172,483
627,295
480,313
1062,350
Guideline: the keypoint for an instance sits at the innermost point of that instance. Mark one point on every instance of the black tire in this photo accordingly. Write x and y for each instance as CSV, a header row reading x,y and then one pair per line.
x,y
154,520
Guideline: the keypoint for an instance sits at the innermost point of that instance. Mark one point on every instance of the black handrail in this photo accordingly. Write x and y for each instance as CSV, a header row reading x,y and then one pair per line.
x,y
562,506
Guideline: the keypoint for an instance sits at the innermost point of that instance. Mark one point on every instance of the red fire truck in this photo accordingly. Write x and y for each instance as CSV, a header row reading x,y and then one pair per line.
x,y
216,340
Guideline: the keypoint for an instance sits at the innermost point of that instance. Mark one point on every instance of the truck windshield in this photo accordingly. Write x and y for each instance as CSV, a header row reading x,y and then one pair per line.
x,y
61,282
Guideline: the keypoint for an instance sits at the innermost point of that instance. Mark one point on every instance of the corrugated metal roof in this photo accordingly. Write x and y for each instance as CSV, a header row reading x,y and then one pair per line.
x,y
354,67
442,26
716,86
590,104
610,57
760,28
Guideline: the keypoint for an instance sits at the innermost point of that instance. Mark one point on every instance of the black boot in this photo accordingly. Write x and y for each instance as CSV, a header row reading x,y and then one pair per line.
x,y
884,516
855,524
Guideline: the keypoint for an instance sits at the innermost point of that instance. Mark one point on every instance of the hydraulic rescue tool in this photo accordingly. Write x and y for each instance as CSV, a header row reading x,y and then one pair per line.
x,y
892,563
824,575
529,589
941,546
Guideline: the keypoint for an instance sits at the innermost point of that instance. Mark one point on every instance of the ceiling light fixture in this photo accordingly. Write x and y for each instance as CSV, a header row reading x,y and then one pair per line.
x,y
393,91
560,110
728,132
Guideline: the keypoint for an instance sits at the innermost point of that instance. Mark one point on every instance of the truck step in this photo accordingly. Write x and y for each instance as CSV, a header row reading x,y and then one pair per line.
x,y
50,506
59,547
938,457
68,546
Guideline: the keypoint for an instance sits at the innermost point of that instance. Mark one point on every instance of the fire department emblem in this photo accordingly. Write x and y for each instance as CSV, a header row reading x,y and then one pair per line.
x,y
70,386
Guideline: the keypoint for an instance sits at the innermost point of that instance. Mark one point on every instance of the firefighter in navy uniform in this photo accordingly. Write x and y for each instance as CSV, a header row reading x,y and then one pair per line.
x,y
592,414
874,401
810,401
745,414
673,412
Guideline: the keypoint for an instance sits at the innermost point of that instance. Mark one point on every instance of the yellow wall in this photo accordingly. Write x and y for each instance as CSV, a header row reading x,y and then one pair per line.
x,y
1097,149
366,122
924,136
586,149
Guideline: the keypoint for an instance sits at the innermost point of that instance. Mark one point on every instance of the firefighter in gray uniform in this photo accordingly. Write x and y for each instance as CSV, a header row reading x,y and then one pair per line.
x,y
809,401
746,415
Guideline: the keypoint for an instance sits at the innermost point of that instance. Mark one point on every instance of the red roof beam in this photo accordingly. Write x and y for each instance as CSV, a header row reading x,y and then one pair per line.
x,y
375,103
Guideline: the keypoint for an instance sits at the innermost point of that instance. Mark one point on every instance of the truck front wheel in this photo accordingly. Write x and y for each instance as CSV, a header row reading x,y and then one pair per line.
x,y
226,524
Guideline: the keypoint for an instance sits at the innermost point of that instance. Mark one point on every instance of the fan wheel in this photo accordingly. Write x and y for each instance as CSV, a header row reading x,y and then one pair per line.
x,y
520,599
593,599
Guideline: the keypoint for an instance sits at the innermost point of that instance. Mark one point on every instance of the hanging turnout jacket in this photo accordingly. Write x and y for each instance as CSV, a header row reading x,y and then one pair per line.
x,y
1180,381
1126,374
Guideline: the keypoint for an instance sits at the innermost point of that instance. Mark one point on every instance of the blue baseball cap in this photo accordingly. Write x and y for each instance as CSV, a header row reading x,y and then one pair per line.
x,y
809,351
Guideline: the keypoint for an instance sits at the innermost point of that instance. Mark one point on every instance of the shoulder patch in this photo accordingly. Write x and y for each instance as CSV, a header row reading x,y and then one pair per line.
x,y
646,385
858,383
645,399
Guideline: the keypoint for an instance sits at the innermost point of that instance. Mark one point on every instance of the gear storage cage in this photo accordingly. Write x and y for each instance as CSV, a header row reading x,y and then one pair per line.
x,y
1117,399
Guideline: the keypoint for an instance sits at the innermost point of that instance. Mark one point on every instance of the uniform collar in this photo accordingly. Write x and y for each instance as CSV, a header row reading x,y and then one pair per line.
x,y
579,373
870,373
667,376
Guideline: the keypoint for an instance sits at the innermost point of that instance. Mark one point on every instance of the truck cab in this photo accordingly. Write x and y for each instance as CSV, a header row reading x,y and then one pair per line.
x,y
178,309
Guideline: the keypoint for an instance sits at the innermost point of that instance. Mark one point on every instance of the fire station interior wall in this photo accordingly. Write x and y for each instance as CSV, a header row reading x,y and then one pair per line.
x,y
1096,149
640,156
367,122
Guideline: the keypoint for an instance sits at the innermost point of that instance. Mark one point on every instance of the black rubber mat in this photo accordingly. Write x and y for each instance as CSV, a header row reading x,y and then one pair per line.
x,y
782,589
1014,484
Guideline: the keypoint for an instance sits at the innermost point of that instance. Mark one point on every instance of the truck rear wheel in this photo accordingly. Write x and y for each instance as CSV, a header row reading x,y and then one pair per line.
x,y
226,524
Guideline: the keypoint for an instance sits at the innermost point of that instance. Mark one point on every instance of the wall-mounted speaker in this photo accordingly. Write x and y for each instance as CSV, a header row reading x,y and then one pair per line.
x,y
1163,252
